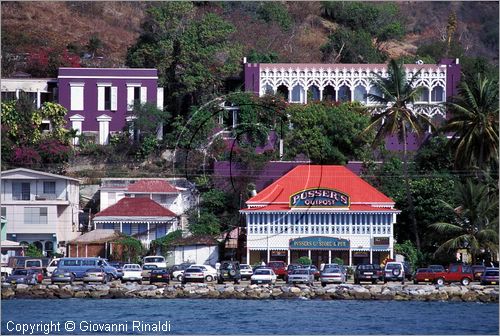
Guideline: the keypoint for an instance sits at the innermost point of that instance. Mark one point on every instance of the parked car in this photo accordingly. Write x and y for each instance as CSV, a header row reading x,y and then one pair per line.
x,y
159,275
246,271
146,271
96,275
455,273
332,274
229,271
408,270
118,265
367,273
209,272
394,271
18,262
25,276
478,271
193,274
314,269
79,266
279,268
60,275
263,276
423,275
437,268
490,277
177,270
290,269
159,261
301,275
132,272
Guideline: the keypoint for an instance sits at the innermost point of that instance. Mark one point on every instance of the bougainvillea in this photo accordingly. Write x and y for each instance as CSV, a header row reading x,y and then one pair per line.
x,y
54,151
26,156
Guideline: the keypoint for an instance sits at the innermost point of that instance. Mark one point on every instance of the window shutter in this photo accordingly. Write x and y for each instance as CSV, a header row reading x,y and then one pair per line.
x,y
144,94
114,95
130,97
100,98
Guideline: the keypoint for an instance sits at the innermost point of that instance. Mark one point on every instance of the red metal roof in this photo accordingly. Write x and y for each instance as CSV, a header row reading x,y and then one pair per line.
x,y
152,186
352,208
136,207
318,176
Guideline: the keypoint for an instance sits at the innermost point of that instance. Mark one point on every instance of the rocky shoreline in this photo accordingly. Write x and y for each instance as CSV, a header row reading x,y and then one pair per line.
x,y
114,290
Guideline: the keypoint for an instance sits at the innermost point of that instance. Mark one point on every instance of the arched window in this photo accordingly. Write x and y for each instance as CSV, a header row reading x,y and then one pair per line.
x,y
268,89
344,93
329,93
424,95
437,94
360,94
283,91
298,94
313,93
49,246
38,245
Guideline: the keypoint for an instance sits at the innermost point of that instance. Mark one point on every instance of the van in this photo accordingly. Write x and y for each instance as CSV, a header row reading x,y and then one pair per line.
x,y
78,266
159,261
52,266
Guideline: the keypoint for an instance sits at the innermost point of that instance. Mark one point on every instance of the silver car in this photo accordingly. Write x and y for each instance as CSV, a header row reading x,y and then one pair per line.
x,y
193,275
332,274
301,275
96,275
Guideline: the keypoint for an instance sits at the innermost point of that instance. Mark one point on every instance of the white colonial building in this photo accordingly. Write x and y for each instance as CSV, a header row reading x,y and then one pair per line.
x,y
322,212
40,208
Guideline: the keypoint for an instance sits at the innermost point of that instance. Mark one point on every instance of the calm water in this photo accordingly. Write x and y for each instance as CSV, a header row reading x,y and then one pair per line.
x,y
255,317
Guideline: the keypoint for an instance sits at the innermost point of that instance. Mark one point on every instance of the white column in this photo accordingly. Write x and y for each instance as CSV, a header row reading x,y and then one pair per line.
x,y
304,95
103,129
17,93
329,256
76,124
289,94
147,239
288,256
370,216
248,256
309,254
38,99
320,94
350,257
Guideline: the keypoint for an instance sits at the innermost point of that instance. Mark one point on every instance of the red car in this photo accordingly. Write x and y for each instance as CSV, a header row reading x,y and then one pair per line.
x,y
424,275
279,268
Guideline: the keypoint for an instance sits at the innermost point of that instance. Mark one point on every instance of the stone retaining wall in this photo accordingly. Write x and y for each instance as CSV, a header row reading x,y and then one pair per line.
x,y
473,293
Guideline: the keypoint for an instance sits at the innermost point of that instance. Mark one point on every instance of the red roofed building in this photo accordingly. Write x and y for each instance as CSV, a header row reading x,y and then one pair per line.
x,y
323,212
140,217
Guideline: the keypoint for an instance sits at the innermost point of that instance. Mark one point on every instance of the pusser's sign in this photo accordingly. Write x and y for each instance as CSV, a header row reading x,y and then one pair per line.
x,y
319,198
319,243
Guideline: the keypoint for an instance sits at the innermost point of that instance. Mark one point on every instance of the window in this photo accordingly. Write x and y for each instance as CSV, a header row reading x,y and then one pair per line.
x,y
108,226
49,188
21,191
127,228
4,212
143,228
137,94
107,98
76,93
35,216
437,94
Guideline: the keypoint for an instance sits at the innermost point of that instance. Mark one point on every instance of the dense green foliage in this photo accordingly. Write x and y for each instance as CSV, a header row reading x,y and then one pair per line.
x,y
164,243
304,261
192,54
131,249
327,133
33,251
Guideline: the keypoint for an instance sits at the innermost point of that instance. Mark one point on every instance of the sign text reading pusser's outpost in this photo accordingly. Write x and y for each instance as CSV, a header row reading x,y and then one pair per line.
x,y
319,197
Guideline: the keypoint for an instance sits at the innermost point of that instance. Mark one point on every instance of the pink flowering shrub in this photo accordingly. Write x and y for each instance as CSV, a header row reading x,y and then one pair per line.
x,y
26,156
54,151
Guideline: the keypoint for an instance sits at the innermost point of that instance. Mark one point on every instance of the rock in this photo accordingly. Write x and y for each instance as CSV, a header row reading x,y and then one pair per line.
x,y
82,294
360,293
6,285
202,291
7,293
294,290
22,287
469,296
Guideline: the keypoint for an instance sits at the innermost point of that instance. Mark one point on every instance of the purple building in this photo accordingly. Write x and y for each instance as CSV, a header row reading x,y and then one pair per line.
x,y
98,99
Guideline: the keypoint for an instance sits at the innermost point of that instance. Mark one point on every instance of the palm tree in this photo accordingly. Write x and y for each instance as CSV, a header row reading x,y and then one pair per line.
x,y
474,123
393,114
475,227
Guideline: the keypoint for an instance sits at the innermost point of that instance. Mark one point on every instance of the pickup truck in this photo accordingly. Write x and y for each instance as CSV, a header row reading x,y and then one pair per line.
x,y
455,273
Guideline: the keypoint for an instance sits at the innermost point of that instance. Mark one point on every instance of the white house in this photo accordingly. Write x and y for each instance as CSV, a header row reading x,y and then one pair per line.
x,y
40,208
175,194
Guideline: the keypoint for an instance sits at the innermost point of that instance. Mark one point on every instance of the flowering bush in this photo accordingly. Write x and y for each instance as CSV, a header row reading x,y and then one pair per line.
x,y
54,151
26,156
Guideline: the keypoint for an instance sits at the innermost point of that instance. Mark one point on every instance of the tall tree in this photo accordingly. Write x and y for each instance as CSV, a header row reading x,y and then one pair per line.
x,y
474,123
393,115
475,226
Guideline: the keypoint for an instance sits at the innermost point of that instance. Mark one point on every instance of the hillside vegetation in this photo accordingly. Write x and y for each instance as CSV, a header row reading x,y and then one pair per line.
x,y
267,31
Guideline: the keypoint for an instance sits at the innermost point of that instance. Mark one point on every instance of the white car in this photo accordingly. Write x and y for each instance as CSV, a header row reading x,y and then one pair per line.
x,y
51,267
177,275
209,272
132,272
246,271
159,261
263,276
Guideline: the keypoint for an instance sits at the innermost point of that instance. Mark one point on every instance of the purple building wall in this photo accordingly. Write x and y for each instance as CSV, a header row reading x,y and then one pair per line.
x,y
252,77
453,76
116,77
